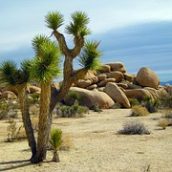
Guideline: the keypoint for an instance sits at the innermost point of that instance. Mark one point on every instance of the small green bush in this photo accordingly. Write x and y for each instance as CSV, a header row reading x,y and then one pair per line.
x,y
151,105
71,111
132,128
139,111
134,102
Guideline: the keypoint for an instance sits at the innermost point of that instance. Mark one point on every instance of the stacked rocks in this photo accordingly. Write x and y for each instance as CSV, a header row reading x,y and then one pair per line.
x,y
120,86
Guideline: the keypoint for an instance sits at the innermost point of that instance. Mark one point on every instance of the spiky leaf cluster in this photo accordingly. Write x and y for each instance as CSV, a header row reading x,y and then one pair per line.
x,y
90,56
78,26
54,20
46,65
56,138
37,43
10,75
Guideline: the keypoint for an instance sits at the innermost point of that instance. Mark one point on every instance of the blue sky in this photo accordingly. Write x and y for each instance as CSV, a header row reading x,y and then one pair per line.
x,y
136,32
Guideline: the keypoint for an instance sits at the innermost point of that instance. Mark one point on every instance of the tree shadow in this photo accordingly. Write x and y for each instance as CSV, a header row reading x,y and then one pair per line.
x,y
14,164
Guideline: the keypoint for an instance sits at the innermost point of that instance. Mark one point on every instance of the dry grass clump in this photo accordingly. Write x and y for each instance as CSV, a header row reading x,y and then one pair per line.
x,y
133,128
67,142
139,110
163,123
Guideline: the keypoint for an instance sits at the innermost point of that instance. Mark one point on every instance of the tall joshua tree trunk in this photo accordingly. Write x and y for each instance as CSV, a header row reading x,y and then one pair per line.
x,y
70,76
21,90
43,124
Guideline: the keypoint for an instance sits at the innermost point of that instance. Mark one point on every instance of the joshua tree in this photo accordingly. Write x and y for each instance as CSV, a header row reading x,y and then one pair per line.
x,y
89,54
16,80
89,59
55,141
44,68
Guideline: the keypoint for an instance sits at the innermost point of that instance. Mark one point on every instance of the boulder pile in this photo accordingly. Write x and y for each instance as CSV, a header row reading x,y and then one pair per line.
x,y
114,80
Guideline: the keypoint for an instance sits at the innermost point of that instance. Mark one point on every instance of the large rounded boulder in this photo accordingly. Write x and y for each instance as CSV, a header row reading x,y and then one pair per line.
x,y
117,94
89,98
147,78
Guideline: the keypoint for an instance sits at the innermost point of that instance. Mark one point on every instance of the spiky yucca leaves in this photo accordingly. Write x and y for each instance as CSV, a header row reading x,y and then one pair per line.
x,y
10,75
56,138
90,56
56,141
78,26
54,20
37,43
46,66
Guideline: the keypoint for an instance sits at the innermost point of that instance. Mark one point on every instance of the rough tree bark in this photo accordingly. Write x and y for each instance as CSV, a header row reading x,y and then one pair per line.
x,y
43,123
21,91
69,74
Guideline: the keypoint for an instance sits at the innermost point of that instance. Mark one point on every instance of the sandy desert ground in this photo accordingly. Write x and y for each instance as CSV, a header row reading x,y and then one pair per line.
x,y
97,146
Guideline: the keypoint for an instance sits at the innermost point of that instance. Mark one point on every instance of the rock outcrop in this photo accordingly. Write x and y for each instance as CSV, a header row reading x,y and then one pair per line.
x,y
117,94
90,98
147,78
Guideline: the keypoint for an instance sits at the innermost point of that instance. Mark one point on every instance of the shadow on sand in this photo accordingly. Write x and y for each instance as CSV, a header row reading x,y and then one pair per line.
x,y
11,165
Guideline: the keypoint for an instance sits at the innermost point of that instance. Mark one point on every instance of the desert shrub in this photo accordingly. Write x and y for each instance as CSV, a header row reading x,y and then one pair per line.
x,y
151,105
133,127
166,101
134,102
55,142
96,108
139,111
15,133
163,123
71,111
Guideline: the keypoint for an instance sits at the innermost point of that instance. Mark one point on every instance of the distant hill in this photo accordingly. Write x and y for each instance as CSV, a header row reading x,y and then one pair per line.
x,y
166,83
